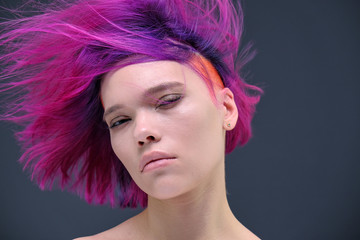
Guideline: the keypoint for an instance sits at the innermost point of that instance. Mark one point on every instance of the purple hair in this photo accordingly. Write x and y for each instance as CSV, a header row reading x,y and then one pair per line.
x,y
54,62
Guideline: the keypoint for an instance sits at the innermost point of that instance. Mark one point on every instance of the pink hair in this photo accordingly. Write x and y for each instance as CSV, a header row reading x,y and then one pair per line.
x,y
53,64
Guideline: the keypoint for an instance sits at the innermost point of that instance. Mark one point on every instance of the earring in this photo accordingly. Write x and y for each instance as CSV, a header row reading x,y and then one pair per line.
x,y
228,124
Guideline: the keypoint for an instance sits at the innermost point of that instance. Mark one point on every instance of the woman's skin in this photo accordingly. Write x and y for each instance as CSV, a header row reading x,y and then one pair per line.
x,y
164,110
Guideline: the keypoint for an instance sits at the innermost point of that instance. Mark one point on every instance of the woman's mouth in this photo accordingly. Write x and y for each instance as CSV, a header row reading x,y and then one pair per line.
x,y
154,160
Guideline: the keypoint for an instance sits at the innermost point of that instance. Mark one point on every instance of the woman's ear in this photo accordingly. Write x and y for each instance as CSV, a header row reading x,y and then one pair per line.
x,y
230,109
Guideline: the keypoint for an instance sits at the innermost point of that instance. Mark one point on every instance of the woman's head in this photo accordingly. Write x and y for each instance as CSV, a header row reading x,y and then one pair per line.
x,y
164,110
60,58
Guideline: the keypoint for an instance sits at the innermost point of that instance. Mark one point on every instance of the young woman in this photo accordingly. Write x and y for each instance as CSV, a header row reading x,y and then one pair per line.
x,y
134,102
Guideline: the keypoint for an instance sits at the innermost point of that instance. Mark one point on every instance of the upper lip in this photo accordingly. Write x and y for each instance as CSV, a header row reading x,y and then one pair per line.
x,y
153,156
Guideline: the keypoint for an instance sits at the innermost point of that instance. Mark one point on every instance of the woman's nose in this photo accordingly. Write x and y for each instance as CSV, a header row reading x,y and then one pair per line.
x,y
146,130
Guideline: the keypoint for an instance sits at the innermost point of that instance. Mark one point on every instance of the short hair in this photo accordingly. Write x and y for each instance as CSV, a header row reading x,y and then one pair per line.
x,y
54,62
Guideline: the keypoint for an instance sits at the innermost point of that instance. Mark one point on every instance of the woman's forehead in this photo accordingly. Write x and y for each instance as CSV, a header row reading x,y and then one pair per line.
x,y
148,72
153,75
146,78
152,72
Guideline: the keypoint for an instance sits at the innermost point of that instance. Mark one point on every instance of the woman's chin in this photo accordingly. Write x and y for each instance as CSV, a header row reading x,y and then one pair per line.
x,y
167,191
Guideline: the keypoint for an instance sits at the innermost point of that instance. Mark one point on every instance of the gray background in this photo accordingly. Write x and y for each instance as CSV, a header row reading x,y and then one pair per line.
x,y
298,178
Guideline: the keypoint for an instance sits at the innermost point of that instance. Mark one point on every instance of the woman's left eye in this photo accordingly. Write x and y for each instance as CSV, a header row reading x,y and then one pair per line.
x,y
168,101
118,122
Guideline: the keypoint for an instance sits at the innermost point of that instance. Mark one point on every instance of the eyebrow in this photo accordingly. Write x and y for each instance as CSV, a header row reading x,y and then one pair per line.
x,y
151,91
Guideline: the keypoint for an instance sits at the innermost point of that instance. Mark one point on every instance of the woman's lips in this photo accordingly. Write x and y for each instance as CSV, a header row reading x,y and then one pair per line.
x,y
154,159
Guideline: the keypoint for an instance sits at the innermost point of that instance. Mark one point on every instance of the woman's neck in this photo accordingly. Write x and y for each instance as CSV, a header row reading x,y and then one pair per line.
x,y
203,213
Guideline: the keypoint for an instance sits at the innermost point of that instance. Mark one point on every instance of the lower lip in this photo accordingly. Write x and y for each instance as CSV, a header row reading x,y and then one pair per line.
x,y
161,163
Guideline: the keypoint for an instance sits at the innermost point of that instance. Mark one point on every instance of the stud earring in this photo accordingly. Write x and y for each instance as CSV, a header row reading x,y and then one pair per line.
x,y
228,124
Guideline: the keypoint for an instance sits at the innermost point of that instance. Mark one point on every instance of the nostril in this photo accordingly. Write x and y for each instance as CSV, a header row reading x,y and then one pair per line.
x,y
148,139
151,138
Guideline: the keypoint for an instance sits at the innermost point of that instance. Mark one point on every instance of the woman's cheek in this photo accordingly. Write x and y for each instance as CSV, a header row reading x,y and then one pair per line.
x,y
183,121
121,148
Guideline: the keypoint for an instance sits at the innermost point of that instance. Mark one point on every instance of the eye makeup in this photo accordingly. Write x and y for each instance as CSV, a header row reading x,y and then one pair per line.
x,y
168,101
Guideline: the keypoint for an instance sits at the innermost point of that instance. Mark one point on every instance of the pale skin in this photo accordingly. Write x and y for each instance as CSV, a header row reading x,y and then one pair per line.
x,y
186,193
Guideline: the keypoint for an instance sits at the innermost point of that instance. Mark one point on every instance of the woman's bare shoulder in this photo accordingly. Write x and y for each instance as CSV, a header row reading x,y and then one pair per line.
x,y
85,238
124,231
98,236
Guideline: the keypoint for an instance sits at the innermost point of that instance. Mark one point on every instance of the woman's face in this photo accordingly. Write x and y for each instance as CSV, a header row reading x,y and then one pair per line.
x,y
164,126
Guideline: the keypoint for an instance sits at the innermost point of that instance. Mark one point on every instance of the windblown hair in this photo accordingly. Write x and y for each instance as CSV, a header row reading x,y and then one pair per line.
x,y
53,63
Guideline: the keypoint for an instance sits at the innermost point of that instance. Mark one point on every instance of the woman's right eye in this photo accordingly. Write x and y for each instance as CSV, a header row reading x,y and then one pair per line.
x,y
118,122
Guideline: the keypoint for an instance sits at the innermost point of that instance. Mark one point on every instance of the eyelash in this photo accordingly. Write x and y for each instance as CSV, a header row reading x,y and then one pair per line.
x,y
167,101
164,102
119,122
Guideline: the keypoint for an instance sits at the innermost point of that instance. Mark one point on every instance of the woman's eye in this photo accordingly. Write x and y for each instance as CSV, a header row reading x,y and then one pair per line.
x,y
167,101
118,122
